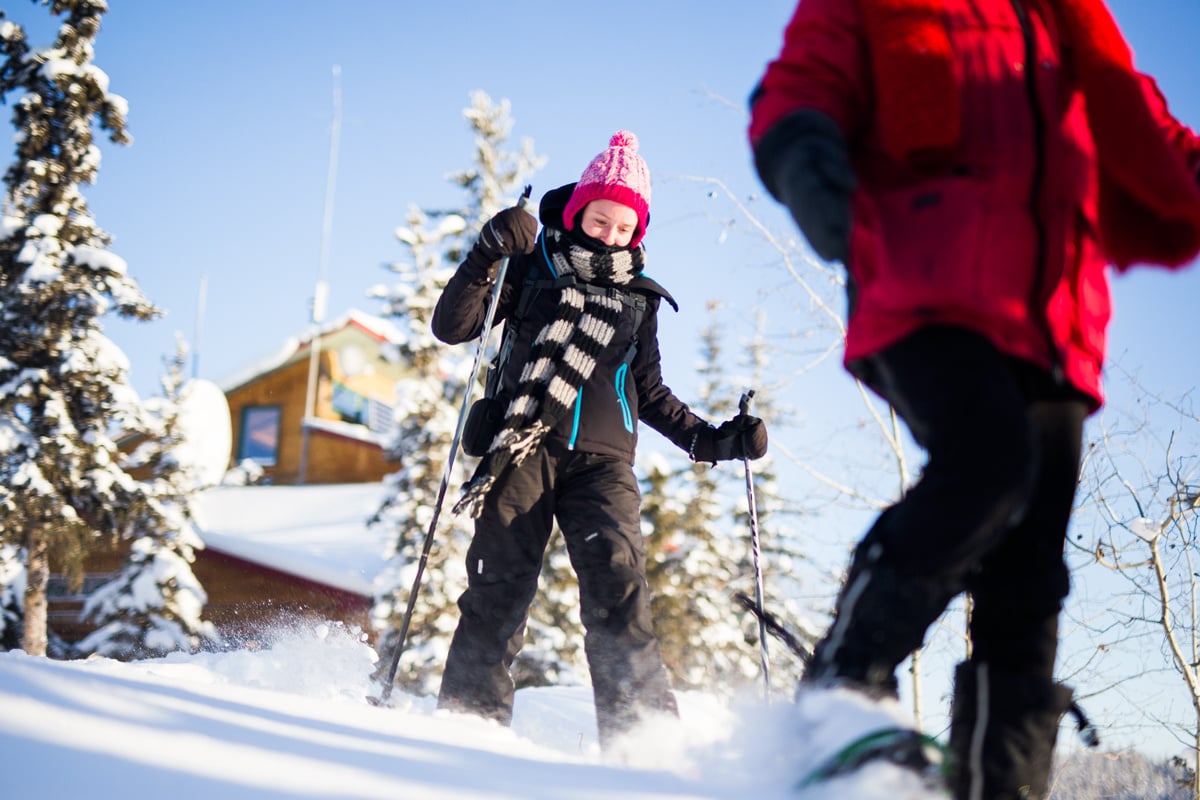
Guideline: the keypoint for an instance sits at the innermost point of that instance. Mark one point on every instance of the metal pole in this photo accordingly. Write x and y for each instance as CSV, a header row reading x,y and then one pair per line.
x,y
446,473
752,506
321,289
201,300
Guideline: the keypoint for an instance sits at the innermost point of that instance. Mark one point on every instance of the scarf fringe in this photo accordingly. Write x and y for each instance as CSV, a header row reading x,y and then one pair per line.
x,y
513,447
524,443
474,493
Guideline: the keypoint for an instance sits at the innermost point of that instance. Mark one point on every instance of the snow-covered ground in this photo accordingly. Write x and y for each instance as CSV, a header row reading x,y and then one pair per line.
x,y
292,721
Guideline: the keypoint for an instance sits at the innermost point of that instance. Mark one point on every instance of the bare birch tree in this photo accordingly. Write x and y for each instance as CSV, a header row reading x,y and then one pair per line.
x,y
864,468
1143,489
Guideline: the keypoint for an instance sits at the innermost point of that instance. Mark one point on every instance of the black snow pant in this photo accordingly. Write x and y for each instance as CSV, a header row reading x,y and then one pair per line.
x,y
988,516
597,504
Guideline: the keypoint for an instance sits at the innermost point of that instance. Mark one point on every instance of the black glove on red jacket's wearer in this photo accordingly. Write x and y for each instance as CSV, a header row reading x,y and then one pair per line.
x,y
804,164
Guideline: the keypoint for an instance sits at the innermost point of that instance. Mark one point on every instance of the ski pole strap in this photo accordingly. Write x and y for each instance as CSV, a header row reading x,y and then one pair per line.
x,y
775,627
1086,730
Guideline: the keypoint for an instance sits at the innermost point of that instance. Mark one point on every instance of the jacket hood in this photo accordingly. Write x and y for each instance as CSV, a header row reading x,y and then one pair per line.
x,y
554,202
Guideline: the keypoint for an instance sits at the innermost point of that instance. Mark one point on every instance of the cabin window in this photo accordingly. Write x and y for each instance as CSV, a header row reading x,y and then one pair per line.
x,y
349,404
259,440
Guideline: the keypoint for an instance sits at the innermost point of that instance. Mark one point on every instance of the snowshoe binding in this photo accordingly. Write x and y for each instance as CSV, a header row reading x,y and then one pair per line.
x,y
855,744
912,750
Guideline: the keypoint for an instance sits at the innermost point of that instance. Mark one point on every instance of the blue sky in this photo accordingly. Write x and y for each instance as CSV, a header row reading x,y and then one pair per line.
x,y
231,105
231,109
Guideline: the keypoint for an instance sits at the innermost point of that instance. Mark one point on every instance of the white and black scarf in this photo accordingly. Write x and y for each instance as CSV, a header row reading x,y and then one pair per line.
x,y
561,360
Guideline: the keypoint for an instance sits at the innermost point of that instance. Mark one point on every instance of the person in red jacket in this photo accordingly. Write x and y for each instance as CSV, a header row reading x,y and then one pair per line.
x,y
975,165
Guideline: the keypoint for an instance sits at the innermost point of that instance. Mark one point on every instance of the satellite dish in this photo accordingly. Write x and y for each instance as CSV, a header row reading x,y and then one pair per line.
x,y
353,362
205,430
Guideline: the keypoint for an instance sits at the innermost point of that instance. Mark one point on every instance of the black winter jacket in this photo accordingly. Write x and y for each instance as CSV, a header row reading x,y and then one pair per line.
x,y
618,393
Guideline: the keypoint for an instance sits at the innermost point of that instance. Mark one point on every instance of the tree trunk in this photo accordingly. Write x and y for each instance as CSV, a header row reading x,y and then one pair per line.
x,y
1196,765
37,565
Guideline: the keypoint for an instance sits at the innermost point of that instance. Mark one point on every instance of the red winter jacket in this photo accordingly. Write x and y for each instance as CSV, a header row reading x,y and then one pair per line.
x,y
982,200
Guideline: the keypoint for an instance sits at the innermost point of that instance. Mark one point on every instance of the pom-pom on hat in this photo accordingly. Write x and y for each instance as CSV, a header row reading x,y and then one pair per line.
x,y
618,174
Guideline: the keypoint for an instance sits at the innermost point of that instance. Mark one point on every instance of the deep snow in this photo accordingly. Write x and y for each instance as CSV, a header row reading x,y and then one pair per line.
x,y
292,721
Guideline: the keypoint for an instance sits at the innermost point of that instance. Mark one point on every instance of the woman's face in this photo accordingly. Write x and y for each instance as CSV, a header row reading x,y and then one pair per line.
x,y
610,222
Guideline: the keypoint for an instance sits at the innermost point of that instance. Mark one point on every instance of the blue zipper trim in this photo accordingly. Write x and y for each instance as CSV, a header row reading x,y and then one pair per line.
x,y
626,414
575,423
546,255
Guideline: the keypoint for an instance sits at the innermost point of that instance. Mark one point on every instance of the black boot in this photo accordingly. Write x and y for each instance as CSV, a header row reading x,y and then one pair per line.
x,y
477,678
881,617
1003,728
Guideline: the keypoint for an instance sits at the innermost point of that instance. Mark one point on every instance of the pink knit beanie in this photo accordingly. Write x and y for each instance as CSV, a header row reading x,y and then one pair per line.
x,y
618,174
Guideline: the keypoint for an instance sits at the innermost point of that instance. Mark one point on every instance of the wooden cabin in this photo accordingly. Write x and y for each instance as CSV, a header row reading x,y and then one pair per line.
x,y
338,451
352,400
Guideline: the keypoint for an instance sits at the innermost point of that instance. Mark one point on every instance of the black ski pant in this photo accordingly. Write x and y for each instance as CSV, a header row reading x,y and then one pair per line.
x,y
597,504
988,516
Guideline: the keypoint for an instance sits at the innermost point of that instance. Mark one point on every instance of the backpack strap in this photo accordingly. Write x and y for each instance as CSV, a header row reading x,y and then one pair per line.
x,y
638,303
529,291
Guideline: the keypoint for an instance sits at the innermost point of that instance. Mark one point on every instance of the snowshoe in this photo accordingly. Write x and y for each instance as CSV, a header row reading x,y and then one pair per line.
x,y
853,744
902,747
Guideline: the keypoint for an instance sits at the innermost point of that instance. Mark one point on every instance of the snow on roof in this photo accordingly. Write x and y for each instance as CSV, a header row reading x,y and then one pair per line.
x,y
347,430
319,532
378,327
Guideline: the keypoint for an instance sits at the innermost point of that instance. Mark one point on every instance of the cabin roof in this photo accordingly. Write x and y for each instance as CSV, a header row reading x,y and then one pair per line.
x,y
316,532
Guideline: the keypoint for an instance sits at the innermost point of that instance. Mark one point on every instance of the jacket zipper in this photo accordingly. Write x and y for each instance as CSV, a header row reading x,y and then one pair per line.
x,y
575,421
1037,304
619,385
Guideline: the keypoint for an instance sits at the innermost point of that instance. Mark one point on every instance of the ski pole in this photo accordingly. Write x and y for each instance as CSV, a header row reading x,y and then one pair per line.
x,y
488,318
752,506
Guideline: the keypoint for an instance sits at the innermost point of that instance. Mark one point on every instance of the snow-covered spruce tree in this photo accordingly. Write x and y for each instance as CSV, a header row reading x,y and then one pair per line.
x,y
693,557
553,652
426,416
12,590
153,605
696,521
63,384
497,173
691,574
782,549
428,403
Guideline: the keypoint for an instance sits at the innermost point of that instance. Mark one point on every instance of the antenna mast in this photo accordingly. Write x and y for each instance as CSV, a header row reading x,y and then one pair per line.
x,y
321,289
201,302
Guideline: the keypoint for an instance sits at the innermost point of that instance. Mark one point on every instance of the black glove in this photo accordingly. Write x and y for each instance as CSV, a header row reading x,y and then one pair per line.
x,y
743,436
511,231
803,162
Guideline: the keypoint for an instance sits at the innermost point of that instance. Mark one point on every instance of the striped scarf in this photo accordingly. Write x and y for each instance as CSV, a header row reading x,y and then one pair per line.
x,y
561,360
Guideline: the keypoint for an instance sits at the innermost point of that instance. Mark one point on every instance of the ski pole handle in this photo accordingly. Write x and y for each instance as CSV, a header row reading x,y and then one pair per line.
x,y
495,299
744,403
744,410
